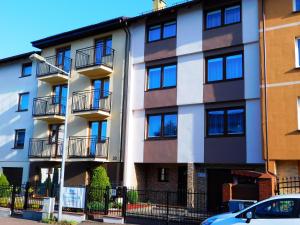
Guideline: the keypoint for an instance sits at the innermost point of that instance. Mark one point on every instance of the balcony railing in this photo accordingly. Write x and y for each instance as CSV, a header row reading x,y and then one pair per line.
x,y
88,147
44,148
44,69
93,100
49,106
94,56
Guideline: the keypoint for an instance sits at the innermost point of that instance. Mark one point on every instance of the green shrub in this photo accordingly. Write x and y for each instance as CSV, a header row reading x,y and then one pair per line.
x,y
99,182
4,202
96,206
5,189
132,196
3,180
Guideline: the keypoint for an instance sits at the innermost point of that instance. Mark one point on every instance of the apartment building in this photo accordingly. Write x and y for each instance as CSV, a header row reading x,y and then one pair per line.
x,y
93,61
194,111
280,43
17,89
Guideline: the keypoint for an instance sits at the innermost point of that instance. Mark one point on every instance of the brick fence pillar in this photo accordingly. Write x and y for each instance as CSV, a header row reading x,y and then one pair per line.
x,y
266,188
227,192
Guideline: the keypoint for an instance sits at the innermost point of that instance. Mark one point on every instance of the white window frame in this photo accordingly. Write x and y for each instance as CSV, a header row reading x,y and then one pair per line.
x,y
294,6
297,63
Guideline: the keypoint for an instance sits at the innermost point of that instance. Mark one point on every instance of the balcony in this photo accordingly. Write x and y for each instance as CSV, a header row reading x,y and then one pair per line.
x,y
42,149
92,105
88,149
51,109
51,75
95,62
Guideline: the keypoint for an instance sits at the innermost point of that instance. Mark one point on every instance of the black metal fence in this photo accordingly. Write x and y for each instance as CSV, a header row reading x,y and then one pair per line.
x,y
43,69
48,106
45,148
288,185
94,56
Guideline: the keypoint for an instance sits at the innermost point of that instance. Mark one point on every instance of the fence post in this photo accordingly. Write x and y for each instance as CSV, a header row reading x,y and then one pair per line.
x,y
86,199
124,203
106,200
13,197
26,197
168,201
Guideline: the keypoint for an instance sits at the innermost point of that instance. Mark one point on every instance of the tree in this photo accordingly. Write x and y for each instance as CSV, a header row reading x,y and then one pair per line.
x,y
99,182
3,180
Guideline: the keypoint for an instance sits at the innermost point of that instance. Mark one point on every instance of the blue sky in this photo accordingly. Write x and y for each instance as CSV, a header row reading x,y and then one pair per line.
x,y
23,21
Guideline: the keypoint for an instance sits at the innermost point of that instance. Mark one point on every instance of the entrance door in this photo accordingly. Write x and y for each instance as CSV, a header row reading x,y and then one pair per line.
x,y
97,135
215,180
14,175
100,91
60,98
182,185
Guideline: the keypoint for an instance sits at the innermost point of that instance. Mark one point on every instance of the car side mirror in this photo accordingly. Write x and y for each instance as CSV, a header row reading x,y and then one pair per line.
x,y
249,217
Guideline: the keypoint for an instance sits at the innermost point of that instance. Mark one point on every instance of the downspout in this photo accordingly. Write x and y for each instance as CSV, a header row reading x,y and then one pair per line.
x,y
265,86
125,91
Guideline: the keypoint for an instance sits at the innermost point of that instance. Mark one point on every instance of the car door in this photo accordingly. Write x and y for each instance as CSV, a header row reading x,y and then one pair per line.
x,y
272,212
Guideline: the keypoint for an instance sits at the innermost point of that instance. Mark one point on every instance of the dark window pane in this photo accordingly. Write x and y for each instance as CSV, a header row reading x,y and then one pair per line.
x,y
24,101
215,122
276,209
154,126
170,125
235,121
20,138
154,78
215,69
234,66
213,19
169,30
26,70
297,5
108,47
233,14
170,77
154,33
67,60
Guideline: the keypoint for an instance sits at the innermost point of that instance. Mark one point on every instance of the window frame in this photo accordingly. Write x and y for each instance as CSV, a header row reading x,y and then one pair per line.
x,y
161,87
162,136
224,57
15,140
223,8
225,122
19,102
161,26
166,174
22,70
295,10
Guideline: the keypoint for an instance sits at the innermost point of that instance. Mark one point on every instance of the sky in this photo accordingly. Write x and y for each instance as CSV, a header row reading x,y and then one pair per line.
x,y
24,21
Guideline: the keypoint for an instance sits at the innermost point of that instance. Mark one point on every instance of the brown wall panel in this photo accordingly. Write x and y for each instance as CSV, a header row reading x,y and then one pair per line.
x,y
160,49
160,98
160,151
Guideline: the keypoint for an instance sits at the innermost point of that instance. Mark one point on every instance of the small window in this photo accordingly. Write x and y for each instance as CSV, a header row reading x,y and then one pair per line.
x,y
26,69
163,175
232,69
23,102
19,139
297,52
162,77
296,5
226,122
213,19
169,30
232,15
162,125
154,33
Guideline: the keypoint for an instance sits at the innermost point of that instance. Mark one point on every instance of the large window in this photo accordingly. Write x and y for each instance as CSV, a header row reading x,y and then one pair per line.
x,y
162,31
19,139
26,69
162,125
223,16
23,101
162,77
226,122
296,5
227,67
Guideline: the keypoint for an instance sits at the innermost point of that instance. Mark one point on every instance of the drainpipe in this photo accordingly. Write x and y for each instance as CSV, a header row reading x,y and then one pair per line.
x,y
125,91
265,86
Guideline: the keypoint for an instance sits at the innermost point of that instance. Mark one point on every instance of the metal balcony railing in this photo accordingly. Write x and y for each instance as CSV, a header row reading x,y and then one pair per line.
x,y
94,56
49,106
45,148
95,99
88,147
44,69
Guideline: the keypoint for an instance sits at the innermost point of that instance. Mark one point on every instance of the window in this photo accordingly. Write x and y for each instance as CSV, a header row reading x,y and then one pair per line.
x,y
163,175
162,77
23,102
162,31
296,5
63,60
26,70
297,52
228,67
162,125
19,139
224,16
226,122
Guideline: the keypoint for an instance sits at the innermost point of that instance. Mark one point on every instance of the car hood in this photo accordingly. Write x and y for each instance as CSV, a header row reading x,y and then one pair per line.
x,y
224,216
